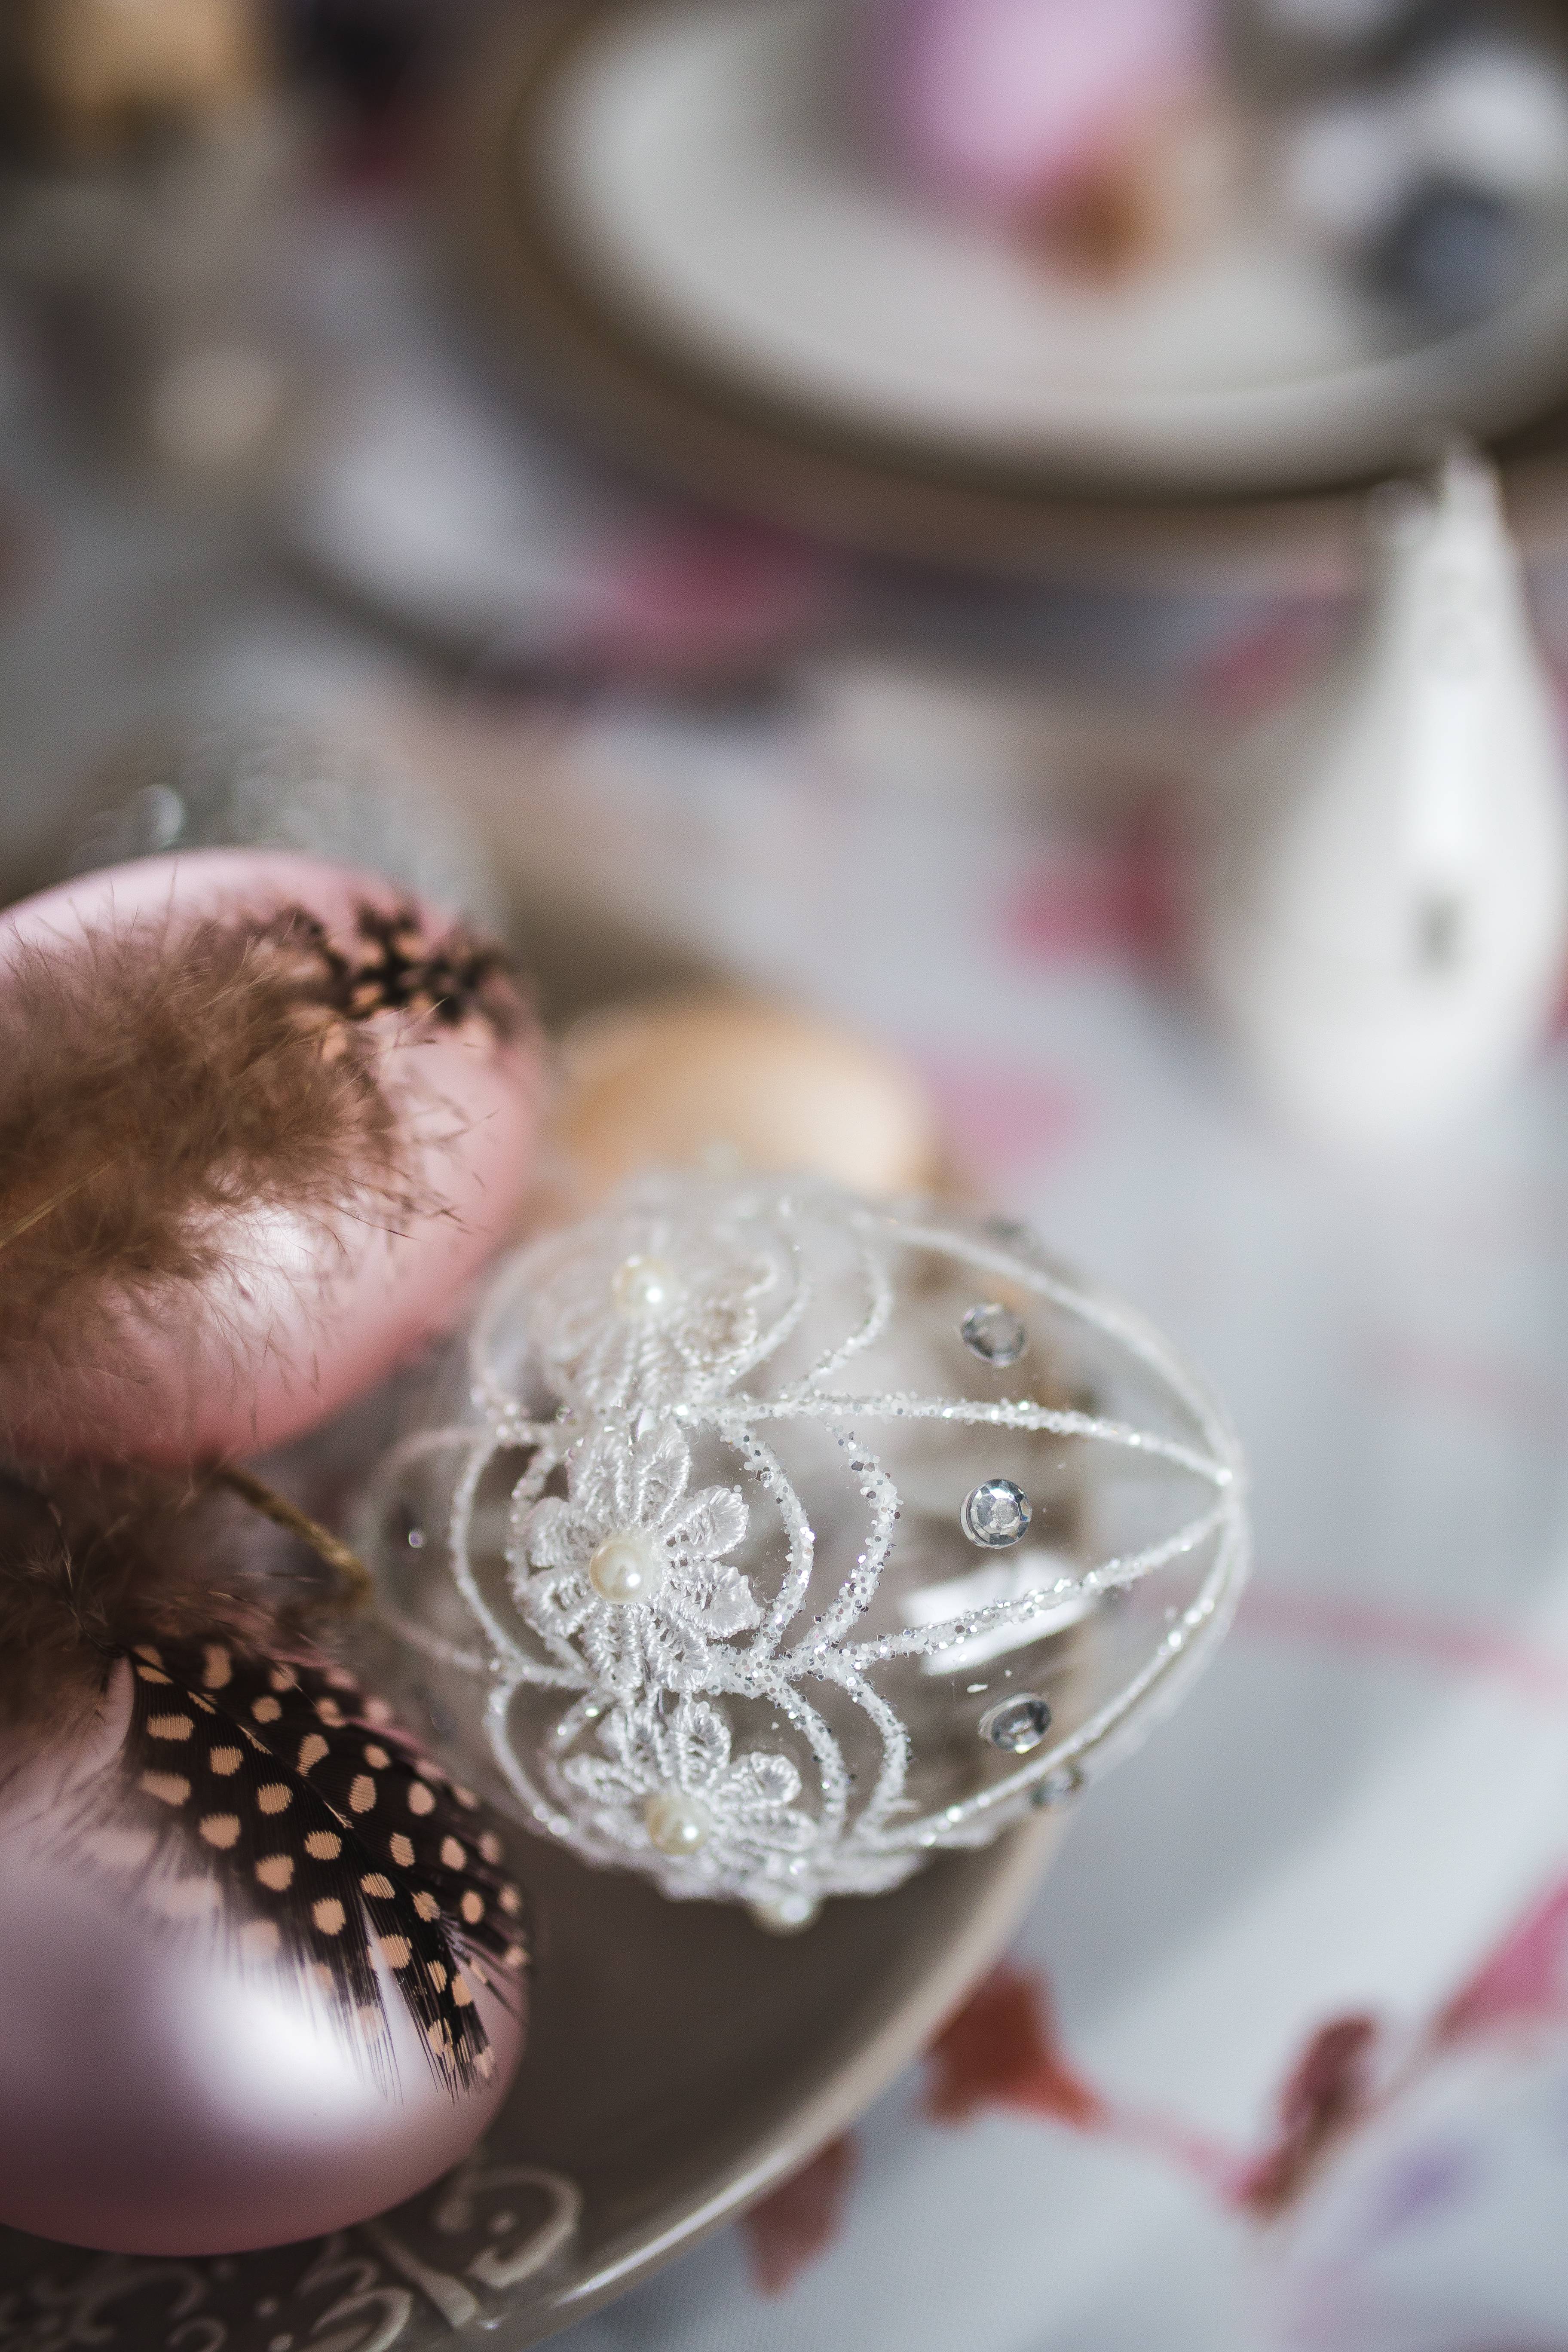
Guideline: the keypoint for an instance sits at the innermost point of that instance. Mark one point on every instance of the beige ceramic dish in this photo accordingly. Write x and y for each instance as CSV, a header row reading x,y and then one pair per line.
x,y
719,433
681,2064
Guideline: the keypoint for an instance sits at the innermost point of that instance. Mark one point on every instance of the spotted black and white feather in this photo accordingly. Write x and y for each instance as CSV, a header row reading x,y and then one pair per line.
x,y
273,1792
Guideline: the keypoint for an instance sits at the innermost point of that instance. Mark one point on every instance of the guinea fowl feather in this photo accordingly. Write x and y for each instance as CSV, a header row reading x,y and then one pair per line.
x,y
255,1783
271,1790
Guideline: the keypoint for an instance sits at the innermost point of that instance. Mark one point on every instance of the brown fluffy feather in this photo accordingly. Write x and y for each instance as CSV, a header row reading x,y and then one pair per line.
x,y
154,1082
151,1088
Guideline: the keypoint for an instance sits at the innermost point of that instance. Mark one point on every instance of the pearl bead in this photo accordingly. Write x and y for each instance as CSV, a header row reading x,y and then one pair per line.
x,y
785,1915
646,1289
677,1823
626,1568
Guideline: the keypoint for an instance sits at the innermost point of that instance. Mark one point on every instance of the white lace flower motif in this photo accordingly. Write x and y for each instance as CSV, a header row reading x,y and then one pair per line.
x,y
669,1786
632,1571
649,1307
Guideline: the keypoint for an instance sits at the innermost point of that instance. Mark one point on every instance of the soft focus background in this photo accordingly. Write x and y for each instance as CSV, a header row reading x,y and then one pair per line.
x,y
305,507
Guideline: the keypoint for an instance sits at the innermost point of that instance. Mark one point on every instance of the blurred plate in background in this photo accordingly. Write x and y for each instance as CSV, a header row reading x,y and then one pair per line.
x,y
701,175
673,230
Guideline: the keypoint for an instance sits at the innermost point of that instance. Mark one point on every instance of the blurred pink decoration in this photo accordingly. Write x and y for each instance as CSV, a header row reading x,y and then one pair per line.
x,y
1001,105
691,597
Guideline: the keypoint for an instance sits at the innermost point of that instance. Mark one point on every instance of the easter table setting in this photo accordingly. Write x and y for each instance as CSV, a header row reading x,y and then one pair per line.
x,y
785,917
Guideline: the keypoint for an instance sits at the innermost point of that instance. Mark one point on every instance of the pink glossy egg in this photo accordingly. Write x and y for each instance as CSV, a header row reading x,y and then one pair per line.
x,y
161,2094
994,104
305,1314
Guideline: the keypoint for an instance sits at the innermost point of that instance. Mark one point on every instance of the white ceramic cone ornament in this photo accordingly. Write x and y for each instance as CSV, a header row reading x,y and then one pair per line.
x,y
1384,894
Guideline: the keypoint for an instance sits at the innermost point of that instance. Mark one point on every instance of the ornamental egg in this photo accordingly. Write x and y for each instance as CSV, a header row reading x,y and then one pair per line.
x,y
689,1080
261,1970
267,1118
852,1536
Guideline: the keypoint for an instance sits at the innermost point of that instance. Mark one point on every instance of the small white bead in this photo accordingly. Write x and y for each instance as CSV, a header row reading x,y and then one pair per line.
x,y
677,1823
787,1914
646,1289
626,1568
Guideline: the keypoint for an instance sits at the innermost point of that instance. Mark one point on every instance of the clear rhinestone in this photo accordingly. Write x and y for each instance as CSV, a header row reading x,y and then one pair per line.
x,y
1017,1724
1056,1788
997,1514
994,1334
